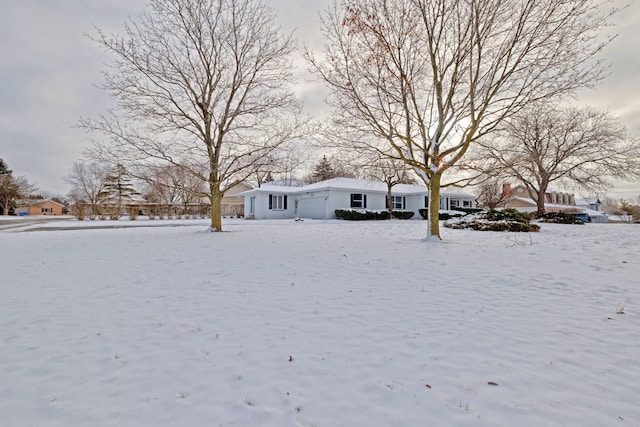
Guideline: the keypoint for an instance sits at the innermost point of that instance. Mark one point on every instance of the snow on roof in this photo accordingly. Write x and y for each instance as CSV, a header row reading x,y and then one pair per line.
x,y
593,213
586,202
353,185
31,202
547,205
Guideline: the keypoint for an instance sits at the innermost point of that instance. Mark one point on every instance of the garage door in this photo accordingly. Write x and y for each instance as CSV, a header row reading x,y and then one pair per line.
x,y
314,207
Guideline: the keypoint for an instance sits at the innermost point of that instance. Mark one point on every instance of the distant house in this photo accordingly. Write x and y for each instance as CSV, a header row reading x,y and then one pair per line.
x,y
593,208
518,198
593,204
320,200
232,203
38,207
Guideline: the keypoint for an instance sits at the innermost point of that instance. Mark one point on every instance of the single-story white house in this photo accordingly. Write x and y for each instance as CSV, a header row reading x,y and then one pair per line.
x,y
320,200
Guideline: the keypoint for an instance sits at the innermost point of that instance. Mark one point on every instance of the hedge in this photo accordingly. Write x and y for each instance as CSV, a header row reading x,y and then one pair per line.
x,y
442,216
361,215
403,214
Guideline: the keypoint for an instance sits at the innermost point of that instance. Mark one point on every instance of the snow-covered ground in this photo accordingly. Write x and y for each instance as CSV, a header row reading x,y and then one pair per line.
x,y
318,323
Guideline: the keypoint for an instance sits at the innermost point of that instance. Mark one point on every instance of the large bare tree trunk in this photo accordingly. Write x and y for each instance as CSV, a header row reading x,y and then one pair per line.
x,y
216,207
434,206
540,201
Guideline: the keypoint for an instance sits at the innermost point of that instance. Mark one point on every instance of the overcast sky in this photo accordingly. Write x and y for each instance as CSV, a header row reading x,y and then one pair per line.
x,y
48,69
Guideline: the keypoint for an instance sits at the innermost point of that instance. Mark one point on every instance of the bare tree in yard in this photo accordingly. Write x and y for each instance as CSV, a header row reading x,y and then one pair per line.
x,y
199,82
87,181
431,77
545,144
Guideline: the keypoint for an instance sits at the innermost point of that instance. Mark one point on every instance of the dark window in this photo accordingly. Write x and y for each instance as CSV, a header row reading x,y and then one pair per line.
x,y
398,202
277,202
358,201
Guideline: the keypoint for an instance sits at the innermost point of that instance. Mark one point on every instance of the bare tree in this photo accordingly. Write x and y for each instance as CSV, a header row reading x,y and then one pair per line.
x,y
12,188
545,144
281,165
203,85
170,184
489,194
385,168
87,181
430,77
288,164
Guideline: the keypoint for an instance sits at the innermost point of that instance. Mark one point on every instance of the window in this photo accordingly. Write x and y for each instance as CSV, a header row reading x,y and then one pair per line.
x,y
398,202
358,201
454,203
277,202
47,210
252,205
466,203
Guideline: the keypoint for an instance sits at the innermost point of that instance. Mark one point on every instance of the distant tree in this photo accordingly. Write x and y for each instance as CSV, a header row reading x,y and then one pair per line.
x,y
4,168
385,168
173,185
323,170
610,206
628,210
289,164
117,187
87,181
281,165
431,77
489,194
12,188
205,82
545,144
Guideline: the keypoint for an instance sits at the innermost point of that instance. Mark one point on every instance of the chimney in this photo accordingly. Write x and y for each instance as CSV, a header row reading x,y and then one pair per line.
x,y
506,191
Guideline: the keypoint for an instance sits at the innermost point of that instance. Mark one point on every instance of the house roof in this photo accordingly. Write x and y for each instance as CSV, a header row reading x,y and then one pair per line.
x,y
593,213
546,205
352,185
34,202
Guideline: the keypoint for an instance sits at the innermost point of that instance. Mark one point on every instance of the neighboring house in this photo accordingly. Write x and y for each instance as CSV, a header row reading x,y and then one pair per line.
x,y
518,198
232,203
38,207
593,208
593,204
321,199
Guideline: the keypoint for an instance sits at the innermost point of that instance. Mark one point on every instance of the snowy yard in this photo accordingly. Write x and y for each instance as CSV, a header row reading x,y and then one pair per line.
x,y
318,323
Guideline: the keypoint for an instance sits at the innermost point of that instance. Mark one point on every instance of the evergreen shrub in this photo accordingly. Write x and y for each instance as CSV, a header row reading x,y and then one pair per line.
x,y
496,220
361,215
403,214
560,218
442,216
